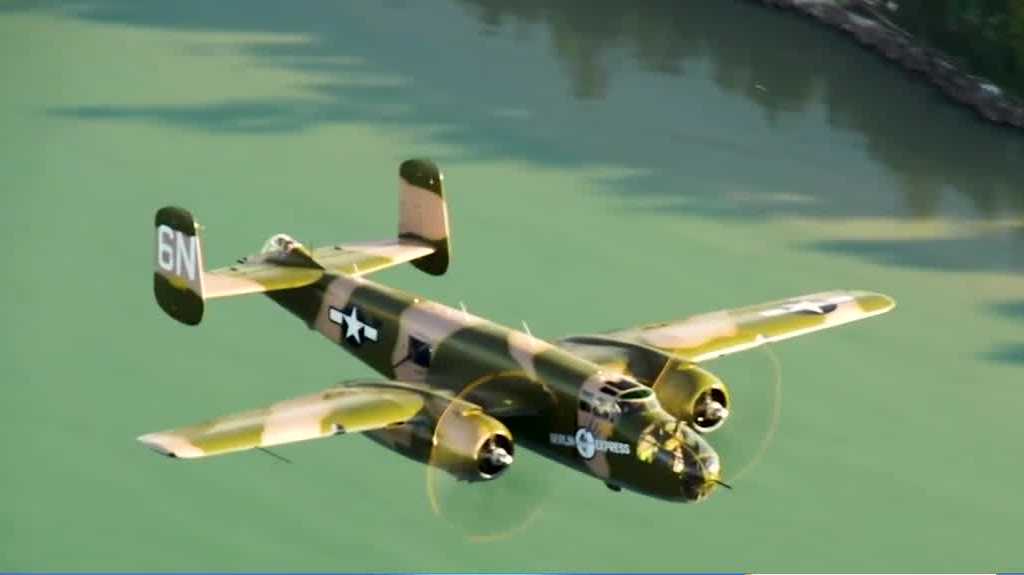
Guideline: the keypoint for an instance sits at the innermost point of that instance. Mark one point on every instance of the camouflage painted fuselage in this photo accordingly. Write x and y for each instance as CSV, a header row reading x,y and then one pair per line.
x,y
627,407
554,401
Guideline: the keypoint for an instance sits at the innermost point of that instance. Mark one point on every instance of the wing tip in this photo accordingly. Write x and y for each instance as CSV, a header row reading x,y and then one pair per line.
x,y
169,445
873,303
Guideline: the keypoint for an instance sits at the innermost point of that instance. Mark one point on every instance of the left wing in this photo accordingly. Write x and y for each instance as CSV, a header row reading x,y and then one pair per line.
x,y
351,408
707,336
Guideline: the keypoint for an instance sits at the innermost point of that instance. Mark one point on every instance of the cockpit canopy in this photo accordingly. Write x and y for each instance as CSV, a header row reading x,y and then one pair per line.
x,y
616,395
626,389
637,394
280,243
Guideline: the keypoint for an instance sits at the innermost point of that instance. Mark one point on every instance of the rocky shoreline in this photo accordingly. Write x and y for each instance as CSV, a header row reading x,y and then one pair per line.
x,y
865,21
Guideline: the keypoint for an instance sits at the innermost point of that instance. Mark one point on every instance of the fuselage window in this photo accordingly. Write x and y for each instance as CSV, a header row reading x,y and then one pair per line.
x,y
603,407
420,352
598,404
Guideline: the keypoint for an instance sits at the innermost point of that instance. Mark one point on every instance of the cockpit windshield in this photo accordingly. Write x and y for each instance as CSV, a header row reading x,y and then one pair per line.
x,y
637,394
279,243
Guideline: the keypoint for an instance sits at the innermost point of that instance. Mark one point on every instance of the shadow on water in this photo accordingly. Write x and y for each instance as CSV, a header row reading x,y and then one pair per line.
x,y
1014,309
681,93
969,253
784,65
1012,353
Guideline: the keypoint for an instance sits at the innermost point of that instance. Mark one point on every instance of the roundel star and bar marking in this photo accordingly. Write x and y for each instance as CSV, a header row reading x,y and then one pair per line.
x,y
807,306
354,329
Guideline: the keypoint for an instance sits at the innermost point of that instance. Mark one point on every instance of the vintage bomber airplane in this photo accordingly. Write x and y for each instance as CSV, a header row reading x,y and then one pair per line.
x,y
459,392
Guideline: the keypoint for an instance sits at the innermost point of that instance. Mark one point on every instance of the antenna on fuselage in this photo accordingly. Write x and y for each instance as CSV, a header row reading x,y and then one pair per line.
x,y
462,306
527,328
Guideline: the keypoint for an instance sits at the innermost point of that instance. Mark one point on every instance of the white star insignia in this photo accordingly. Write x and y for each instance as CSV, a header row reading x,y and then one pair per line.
x,y
354,328
808,306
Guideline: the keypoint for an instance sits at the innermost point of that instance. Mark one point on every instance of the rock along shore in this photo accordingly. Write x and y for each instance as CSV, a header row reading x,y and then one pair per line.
x,y
865,21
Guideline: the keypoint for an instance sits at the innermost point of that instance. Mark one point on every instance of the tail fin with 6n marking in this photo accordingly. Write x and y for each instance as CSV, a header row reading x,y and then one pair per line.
x,y
178,273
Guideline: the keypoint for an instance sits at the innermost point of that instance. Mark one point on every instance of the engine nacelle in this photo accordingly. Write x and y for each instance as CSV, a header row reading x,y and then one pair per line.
x,y
694,395
472,445
463,441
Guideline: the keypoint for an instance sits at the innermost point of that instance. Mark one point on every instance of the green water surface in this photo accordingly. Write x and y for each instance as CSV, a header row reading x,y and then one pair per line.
x,y
606,166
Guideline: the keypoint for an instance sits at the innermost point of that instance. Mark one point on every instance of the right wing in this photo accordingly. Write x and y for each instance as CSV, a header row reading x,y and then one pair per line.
x,y
711,335
350,408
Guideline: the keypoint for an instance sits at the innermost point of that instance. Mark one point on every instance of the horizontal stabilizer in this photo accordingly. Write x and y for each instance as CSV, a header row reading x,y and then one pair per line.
x,y
356,259
182,284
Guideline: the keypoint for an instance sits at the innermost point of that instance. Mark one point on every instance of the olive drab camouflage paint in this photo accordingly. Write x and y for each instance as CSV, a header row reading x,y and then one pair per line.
x,y
459,392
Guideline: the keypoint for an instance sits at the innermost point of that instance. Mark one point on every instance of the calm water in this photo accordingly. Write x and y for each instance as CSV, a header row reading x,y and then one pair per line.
x,y
606,166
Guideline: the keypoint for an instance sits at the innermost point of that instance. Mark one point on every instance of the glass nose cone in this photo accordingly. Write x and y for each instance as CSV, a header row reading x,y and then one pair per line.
x,y
701,473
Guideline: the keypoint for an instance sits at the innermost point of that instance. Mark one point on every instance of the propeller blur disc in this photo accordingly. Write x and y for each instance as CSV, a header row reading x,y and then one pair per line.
x,y
488,510
755,386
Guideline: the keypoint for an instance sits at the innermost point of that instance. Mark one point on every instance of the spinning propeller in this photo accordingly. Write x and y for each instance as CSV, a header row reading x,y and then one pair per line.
x,y
486,509
754,411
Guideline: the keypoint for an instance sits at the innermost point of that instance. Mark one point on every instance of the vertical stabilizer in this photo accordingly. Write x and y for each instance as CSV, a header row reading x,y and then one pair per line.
x,y
178,267
423,213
